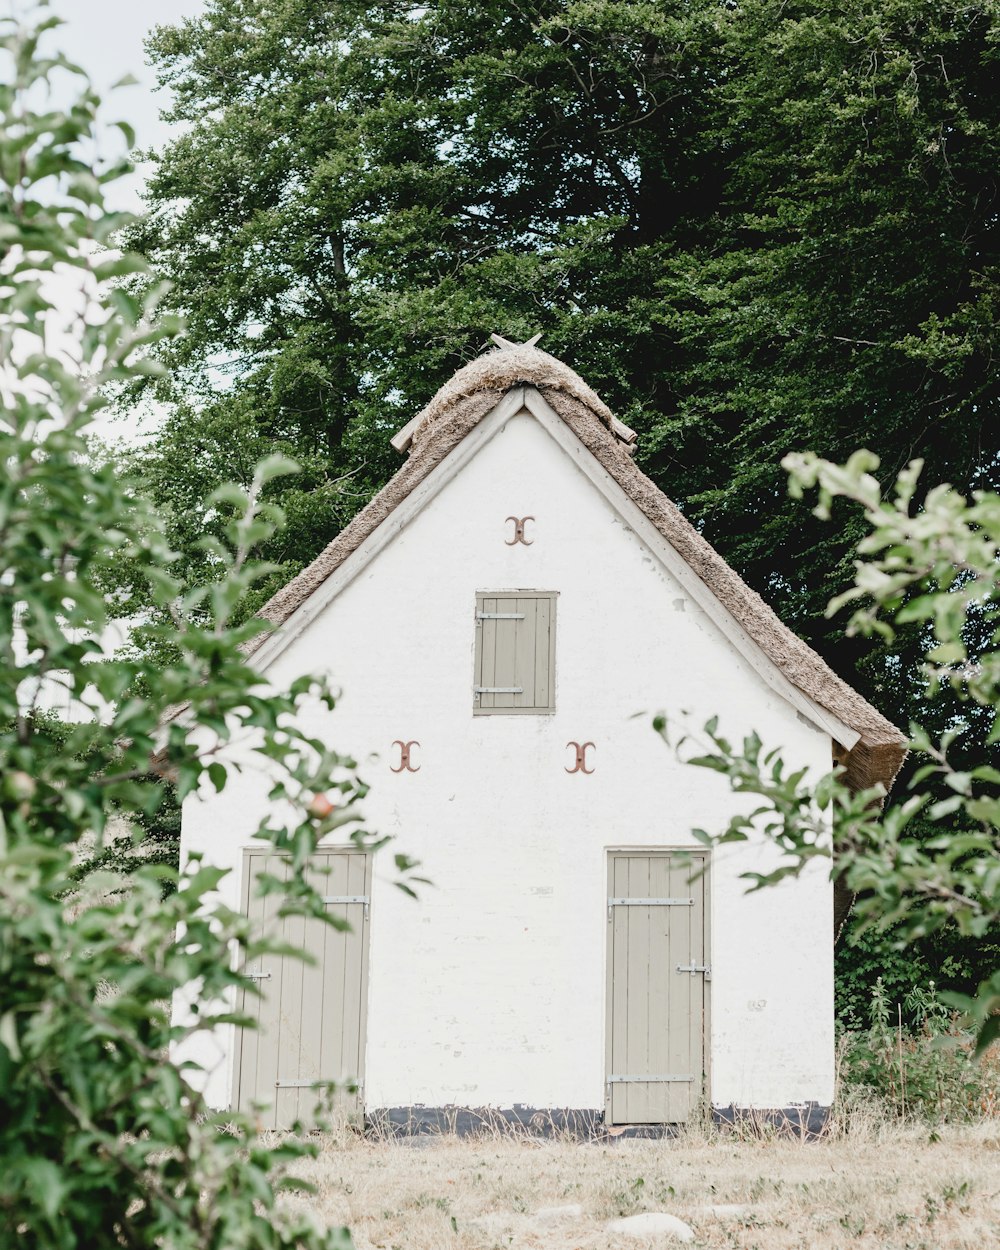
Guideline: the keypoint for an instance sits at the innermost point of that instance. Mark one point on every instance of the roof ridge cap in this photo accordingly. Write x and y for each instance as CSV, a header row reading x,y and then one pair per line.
x,y
500,370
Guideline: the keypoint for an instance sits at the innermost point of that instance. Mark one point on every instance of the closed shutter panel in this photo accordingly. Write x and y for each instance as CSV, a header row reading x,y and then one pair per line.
x,y
515,653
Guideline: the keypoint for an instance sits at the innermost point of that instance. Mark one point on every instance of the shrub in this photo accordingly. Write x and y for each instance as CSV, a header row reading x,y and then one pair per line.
x,y
103,1142
924,1071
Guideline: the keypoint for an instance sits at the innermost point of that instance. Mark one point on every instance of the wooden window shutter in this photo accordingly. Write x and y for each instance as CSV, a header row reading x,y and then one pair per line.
x,y
515,654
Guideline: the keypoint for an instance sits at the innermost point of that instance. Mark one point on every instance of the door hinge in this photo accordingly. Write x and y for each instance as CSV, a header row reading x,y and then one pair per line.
x,y
317,1081
648,902
618,1079
693,968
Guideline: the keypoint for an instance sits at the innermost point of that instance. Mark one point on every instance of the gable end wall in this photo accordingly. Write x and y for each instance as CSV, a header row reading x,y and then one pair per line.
x,y
490,989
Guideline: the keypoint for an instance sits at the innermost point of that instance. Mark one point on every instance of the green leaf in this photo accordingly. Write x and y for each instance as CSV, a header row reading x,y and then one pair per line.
x,y
8,1035
46,1184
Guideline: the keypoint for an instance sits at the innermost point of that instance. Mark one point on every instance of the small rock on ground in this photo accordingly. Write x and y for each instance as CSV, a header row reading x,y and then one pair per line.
x,y
652,1224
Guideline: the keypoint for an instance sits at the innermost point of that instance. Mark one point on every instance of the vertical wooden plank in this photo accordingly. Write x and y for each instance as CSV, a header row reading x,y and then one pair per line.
x,y
270,1009
552,652
543,625
609,982
680,951
289,1031
620,989
359,1098
351,1018
705,1035
245,1042
524,652
660,922
699,985
640,977
479,650
489,654
321,877
313,982
506,636
684,987
334,963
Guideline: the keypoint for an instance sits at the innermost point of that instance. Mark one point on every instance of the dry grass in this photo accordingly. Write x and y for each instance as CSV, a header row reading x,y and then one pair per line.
x,y
891,1188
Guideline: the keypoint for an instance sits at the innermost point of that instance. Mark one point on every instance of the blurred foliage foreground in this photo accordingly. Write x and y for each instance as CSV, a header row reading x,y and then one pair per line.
x,y
103,1142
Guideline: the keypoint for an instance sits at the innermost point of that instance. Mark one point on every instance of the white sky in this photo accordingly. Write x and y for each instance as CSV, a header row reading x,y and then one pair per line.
x,y
105,37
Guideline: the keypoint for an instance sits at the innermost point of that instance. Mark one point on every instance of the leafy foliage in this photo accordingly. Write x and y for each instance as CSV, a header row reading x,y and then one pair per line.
x,y
102,1139
143,837
934,564
923,1070
867,955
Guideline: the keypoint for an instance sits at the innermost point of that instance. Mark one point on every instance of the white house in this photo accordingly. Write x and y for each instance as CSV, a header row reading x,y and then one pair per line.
x,y
505,617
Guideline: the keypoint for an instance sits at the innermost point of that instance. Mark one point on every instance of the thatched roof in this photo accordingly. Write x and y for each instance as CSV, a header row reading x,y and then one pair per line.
x,y
472,393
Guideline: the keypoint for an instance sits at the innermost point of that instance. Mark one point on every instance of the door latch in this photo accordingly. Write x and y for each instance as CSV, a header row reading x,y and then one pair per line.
x,y
694,968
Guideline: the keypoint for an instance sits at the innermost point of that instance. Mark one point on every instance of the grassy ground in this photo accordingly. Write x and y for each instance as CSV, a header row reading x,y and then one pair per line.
x,y
887,1187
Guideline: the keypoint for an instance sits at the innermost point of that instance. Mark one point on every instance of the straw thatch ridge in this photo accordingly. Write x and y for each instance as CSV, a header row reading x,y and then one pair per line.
x,y
501,370
472,393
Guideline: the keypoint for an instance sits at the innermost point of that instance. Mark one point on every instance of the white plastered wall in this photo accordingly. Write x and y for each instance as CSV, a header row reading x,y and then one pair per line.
x,y
490,990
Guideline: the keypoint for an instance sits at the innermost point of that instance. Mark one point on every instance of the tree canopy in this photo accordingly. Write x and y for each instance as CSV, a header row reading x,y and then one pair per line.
x,y
754,228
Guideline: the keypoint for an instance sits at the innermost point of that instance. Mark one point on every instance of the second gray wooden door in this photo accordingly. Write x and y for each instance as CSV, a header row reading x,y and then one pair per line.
x,y
310,1016
657,997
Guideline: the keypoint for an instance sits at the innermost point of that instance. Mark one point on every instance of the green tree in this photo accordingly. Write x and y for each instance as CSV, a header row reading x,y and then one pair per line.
x,y
936,564
753,227
103,1141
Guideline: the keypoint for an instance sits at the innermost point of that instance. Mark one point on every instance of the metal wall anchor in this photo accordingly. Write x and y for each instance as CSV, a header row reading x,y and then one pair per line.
x,y
580,764
405,763
519,524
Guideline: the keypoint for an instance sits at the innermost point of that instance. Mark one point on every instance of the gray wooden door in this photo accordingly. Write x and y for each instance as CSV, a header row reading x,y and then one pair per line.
x,y
657,993
310,1016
